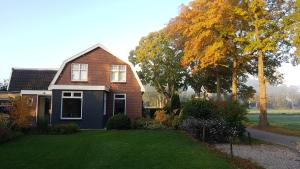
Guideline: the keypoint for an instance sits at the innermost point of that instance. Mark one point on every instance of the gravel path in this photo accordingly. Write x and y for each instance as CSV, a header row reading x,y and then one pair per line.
x,y
289,141
268,156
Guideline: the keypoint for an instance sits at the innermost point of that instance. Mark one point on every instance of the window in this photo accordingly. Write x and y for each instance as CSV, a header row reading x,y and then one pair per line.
x,y
79,72
118,73
29,101
71,105
120,103
104,103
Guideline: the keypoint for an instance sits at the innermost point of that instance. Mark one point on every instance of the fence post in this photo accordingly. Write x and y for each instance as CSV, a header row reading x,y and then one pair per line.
x,y
249,138
203,133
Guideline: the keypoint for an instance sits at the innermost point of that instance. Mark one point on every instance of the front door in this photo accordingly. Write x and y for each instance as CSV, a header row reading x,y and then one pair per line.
x,y
44,106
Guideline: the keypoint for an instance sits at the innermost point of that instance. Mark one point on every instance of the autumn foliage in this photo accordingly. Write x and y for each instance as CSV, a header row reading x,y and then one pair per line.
x,y
160,116
20,117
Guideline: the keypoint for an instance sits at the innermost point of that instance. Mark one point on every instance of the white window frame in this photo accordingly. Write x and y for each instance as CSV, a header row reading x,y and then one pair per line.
x,y
71,97
104,103
118,71
119,99
80,70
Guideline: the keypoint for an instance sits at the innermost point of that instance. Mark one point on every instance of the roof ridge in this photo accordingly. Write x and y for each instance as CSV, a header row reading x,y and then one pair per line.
x,y
42,69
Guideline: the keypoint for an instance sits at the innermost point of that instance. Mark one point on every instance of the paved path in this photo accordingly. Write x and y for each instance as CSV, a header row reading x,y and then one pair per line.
x,y
289,141
267,156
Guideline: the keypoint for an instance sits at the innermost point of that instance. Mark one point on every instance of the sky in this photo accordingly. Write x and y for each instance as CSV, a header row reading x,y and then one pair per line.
x,y
42,34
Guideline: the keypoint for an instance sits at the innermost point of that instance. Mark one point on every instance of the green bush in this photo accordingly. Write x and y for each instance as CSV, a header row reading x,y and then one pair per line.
x,y
7,134
5,121
234,114
176,122
119,122
175,102
42,125
199,109
156,126
67,128
141,123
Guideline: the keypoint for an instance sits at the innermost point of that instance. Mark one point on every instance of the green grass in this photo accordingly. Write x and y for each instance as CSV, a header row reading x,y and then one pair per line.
x,y
289,121
110,150
276,111
282,122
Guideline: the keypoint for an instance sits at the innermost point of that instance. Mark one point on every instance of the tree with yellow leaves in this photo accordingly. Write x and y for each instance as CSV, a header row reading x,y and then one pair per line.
x,y
267,40
212,32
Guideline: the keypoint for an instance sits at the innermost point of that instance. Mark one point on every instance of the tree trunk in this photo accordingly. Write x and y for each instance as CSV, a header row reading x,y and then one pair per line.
x,y
218,88
234,80
263,120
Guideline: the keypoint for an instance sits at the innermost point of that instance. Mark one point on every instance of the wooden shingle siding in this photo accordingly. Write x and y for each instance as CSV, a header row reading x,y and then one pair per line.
x,y
99,62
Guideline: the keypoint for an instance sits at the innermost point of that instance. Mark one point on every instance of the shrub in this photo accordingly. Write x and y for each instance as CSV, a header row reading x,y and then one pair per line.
x,y
68,128
141,123
176,122
175,102
42,125
213,130
199,109
160,117
5,121
19,117
156,126
234,115
119,122
7,134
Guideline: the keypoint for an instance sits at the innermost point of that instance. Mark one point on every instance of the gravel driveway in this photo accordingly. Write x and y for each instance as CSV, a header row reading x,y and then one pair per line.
x,y
268,156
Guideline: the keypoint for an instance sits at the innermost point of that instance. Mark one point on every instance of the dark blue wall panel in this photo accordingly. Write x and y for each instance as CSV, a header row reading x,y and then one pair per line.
x,y
92,110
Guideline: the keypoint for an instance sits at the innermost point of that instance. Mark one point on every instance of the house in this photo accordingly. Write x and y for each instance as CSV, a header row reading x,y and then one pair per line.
x,y
87,89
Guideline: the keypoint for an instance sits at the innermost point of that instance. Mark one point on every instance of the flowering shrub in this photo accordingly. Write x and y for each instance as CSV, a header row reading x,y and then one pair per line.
x,y
215,130
160,116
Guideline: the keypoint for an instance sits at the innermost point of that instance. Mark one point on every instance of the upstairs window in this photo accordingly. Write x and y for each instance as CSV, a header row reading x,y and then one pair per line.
x,y
118,73
79,72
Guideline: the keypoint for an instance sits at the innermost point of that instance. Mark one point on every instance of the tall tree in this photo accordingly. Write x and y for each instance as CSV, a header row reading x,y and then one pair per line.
x,y
266,40
296,25
158,56
212,32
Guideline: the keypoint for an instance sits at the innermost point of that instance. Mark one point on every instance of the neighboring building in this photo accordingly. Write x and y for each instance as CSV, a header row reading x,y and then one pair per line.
x,y
87,89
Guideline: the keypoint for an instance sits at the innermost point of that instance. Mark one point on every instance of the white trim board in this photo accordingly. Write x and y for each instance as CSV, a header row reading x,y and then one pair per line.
x,y
78,87
12,69
37,92
86,51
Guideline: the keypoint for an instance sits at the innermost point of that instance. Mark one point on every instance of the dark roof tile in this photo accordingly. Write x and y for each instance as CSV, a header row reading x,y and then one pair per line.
x,y
30,79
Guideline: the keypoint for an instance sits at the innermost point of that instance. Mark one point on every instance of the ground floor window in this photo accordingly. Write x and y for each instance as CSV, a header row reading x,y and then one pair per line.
x,y
71,105
119,103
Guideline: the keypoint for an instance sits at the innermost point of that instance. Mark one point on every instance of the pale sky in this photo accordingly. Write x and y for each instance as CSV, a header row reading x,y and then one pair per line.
x,y
41,34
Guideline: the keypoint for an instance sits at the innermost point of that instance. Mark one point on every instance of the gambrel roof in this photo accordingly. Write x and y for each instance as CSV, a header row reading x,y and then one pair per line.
x,y
52,84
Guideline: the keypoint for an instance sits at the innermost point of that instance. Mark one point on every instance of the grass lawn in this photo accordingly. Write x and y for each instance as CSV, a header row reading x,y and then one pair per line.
x,y
281,123
277,111
110,150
